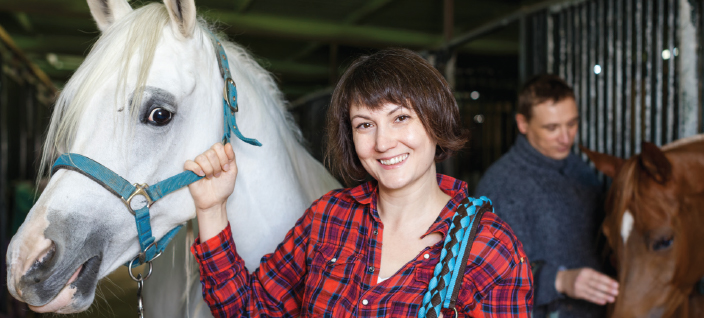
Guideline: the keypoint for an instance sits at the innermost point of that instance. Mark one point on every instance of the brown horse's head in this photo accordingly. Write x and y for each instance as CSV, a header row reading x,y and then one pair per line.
x,y
655,225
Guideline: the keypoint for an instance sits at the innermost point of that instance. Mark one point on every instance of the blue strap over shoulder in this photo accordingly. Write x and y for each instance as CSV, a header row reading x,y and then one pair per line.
x,y
443,288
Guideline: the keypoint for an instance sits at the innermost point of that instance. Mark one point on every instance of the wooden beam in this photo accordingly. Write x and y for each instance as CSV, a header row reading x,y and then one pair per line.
x,y
41,76
264,25
368,9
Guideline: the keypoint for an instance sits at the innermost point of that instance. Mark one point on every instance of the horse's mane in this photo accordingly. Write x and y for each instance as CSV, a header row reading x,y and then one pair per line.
x,y
138,34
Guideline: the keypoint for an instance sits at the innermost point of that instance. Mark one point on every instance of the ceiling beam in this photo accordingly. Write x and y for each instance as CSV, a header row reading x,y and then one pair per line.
x,y
264,25
368,9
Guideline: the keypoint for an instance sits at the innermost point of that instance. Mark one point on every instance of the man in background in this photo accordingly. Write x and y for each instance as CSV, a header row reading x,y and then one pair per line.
x,y
553,201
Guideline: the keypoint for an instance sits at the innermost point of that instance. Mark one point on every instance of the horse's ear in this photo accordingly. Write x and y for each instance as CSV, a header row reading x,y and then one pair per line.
x,y
653,160
608,165
183,17
106,12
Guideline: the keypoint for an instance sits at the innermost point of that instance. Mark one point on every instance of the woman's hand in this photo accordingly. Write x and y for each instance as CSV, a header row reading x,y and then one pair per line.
x,y
588,284
218,167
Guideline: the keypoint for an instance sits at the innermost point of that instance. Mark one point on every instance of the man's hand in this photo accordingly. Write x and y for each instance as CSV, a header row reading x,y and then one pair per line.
x,y
588,284
210,194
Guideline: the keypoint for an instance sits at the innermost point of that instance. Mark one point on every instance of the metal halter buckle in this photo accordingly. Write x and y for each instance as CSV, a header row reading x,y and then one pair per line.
x,y
139,277
226,95
140,189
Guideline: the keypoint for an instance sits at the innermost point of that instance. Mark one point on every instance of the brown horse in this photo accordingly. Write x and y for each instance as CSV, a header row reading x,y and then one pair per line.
x,y
655,225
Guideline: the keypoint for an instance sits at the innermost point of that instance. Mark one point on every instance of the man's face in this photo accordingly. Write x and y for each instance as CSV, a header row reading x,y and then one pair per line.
x,y
552,127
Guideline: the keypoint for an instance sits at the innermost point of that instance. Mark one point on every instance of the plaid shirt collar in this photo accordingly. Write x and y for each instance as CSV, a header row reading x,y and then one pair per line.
x,y
367,194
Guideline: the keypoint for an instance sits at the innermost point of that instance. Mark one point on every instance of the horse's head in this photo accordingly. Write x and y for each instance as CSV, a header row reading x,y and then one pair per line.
x,y
653,224
147,97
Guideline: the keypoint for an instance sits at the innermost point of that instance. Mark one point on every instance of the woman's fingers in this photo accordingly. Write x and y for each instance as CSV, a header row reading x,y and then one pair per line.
x,y
205,165
193,166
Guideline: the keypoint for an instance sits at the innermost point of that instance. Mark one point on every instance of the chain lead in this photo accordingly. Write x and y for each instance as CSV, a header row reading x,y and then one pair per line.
x,y
140,284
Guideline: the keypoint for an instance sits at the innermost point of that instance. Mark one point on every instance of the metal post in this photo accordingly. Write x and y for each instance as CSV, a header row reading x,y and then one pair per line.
x,y
658,55
629,70
618,116
689,94
593,33
637,107
599,135
671,71
650,54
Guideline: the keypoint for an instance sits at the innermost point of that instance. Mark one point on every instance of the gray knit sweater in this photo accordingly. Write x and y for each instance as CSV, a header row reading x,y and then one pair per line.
x,y
555,209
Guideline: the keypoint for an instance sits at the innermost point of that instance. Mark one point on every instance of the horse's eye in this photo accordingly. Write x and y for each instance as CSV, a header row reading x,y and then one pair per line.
x,y
159,117
662,243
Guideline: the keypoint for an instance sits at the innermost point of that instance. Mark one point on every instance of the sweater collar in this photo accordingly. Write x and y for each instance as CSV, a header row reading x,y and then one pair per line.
x,y
525,151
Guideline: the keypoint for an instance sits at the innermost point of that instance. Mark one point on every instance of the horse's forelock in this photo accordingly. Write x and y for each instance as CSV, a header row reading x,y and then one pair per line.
x,y
138,32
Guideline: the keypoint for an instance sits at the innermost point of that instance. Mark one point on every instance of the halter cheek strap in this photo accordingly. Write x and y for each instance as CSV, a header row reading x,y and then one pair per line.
x,y
149,247
229,102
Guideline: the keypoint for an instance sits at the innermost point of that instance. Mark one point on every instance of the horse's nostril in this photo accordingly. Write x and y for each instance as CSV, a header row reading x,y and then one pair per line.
x,y
46,256
36,280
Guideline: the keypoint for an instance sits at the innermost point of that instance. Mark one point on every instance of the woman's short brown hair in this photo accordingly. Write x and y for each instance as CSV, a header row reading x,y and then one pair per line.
x,y
400,77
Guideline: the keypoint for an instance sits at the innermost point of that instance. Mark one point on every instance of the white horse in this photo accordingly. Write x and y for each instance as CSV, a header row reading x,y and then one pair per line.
x,y
147,98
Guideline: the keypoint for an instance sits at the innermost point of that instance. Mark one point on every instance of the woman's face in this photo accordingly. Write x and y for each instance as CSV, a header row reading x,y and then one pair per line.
x,y
393,145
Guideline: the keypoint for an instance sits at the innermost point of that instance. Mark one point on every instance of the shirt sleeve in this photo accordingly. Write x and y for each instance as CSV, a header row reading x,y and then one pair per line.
x,y
545,291
497,280
275,289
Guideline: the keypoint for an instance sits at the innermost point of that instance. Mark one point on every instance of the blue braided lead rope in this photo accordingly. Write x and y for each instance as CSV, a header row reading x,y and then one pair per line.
x,y
453,257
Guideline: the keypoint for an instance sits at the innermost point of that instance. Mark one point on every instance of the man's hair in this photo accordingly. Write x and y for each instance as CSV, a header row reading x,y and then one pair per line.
x,y
396,76
540,89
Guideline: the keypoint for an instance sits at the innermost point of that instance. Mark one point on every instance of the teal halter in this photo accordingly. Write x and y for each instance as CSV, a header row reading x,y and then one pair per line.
x,y
149,247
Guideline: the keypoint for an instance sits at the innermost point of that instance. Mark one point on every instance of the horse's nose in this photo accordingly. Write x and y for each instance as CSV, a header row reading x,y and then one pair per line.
x,y
40,267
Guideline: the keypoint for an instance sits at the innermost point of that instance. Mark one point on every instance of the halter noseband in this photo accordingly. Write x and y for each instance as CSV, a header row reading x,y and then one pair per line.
x,y
117,185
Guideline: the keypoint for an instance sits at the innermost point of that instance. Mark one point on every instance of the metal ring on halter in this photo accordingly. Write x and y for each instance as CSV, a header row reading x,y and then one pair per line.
x,y
140,189
455,309
142,256
226,94
149,272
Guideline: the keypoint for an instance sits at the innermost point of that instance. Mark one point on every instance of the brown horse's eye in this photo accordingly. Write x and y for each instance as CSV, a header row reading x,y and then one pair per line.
x,y
662,244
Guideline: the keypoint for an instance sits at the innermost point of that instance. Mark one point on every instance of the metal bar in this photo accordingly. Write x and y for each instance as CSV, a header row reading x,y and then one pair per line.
x,y
4,205
549,43
688,77
600,77
584,72
569,47
658,56
501,22
561,18
593,29
618,116
609,78
448,19
522,55
650,54
637,107
627,80
670,72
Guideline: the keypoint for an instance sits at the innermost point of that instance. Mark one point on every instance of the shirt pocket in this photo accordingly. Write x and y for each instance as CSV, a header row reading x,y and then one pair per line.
x,y
332,283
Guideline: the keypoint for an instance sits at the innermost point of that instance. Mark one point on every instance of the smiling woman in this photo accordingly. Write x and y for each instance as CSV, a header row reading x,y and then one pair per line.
x,y
373,248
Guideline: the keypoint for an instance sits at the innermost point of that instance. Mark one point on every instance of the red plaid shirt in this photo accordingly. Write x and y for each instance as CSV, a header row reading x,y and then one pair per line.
x,y
328,264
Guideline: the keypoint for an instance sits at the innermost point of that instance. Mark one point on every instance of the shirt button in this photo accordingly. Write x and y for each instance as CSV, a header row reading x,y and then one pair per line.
x,y
376,232
365,302
333,260
371,269
426,256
